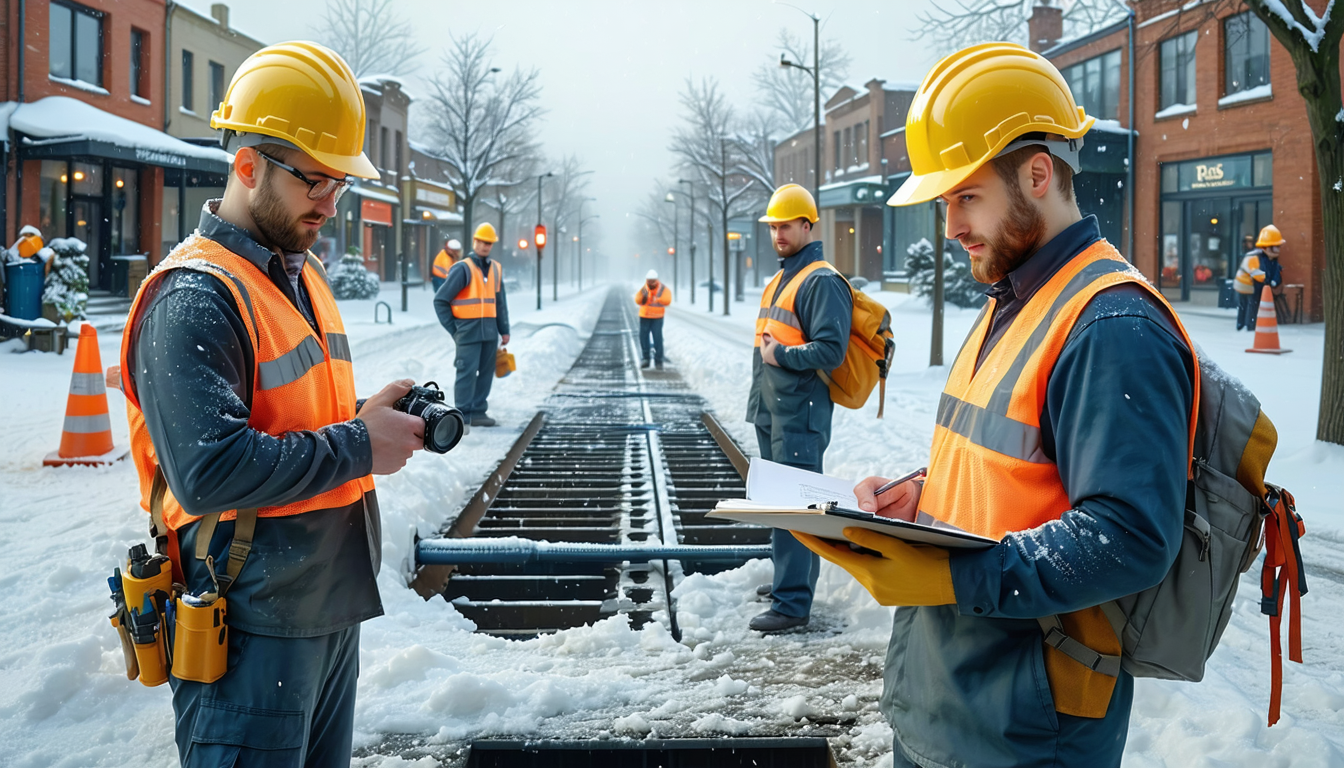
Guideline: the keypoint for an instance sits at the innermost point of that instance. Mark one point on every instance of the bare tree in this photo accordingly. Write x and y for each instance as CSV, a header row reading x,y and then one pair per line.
x,y
787,91
708,149
370,35
514,197
480,124
955,25
567,187
1313,43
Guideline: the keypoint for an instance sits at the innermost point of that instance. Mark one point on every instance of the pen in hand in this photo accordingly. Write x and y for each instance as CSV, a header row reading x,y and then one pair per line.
x,y
921,472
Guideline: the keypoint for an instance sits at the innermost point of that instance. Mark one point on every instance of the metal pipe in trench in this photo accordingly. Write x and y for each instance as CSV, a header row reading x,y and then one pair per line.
x,y
462,551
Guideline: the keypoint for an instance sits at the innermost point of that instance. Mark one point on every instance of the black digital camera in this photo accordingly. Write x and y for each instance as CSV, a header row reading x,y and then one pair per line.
x,y
444,424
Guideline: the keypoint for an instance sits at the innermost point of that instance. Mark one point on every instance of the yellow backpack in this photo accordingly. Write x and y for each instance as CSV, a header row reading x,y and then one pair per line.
x,y
868,357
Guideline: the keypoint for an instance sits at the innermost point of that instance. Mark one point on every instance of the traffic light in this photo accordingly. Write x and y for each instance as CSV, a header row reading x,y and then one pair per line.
x,y
541,236
522,244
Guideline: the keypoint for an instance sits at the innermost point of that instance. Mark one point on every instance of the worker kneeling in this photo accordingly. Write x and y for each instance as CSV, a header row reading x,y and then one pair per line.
x,y
1064,432
254,458
652,299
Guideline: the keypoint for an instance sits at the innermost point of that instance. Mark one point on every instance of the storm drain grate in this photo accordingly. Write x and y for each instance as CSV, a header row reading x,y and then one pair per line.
x,y
654,753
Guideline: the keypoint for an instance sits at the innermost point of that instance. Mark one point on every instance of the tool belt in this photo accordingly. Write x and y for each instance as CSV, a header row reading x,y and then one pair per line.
x,y
164,629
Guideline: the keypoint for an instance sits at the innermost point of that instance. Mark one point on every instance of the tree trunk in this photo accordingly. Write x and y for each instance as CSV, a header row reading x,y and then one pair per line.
x,y
709,260
727,257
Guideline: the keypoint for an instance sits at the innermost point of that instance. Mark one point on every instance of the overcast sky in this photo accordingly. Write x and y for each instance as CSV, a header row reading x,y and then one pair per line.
x,y
611,70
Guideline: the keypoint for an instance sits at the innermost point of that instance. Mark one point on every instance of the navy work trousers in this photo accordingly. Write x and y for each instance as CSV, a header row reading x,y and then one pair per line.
x,y
475,365
651,335
1248,306
286,702
796,566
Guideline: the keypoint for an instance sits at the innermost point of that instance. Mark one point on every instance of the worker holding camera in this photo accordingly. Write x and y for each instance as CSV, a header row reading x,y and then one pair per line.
x,y
254,457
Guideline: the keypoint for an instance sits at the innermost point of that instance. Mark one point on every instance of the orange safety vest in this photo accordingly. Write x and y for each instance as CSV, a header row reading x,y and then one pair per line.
x,y
1249,273
776,316
477,300
653,307
442,263
301,381
988,473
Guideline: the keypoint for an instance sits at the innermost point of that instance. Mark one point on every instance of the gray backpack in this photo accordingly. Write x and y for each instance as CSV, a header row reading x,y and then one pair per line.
x,y
1169,631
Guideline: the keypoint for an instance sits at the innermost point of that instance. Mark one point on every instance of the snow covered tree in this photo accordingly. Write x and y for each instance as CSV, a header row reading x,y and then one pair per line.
x,y
1313,43
370,35
350,280
960,288
953,26
479,123
67,284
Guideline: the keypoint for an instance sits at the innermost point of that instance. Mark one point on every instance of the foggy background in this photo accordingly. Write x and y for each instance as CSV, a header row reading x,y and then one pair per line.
x,y
611,71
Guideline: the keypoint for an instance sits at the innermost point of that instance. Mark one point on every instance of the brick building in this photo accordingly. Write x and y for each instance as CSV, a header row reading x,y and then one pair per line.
x,y
84,153
1221,147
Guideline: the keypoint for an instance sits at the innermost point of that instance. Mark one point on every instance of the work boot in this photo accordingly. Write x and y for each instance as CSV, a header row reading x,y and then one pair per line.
x,y
644,364
764,589
483,421
658,365
772,621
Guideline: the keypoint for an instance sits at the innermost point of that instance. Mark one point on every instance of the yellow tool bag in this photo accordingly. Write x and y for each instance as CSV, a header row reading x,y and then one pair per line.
x,y
504,363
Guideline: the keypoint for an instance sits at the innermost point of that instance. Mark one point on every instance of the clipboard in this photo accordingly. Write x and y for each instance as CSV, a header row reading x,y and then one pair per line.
x,y
828,521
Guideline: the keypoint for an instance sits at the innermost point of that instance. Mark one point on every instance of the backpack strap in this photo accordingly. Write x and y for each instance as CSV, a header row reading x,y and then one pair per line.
x,y
1283,571
1106,664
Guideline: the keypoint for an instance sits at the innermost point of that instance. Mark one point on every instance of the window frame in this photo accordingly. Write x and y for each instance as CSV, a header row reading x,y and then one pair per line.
x,y
76,10
217,85
139,38
1182,91
1247,34
188,63
1107,102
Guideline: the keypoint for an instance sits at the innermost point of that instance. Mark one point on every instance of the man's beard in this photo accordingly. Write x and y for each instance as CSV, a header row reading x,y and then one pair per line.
x,y
274,224
1017,239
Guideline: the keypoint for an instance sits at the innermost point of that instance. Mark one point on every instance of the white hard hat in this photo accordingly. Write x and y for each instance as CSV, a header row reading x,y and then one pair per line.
x,y
454,244
653,275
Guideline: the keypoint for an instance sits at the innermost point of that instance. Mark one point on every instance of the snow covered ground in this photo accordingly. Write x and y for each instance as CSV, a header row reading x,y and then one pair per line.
x,y
428,685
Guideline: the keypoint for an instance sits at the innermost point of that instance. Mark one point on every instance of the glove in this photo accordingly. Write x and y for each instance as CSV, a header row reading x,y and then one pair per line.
x,y
903,575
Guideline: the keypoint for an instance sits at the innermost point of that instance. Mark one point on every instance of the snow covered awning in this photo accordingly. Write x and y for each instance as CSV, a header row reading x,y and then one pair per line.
x,y
427,213
375,194
868,190
59,126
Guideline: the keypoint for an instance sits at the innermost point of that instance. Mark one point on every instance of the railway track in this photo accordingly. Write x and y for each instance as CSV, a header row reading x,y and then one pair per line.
x,y
599,508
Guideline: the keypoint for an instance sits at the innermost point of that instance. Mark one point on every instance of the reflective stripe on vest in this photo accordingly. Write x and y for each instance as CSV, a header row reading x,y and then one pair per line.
x,y
777,316
477,300
652,307
301,381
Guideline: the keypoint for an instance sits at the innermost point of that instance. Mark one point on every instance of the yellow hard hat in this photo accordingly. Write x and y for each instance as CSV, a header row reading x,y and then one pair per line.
x,y
304,95
970,108
788,203
1269,236
486,232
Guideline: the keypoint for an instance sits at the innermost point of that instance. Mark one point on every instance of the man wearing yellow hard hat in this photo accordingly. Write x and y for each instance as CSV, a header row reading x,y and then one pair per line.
x,y
472,306
802,328
1260,267
1064,433
254,458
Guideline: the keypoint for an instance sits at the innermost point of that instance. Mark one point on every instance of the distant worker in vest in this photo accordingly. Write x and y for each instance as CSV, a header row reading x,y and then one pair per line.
x,y
1064,433
241,398
652,298
449,255
1260,267
802,328
471,305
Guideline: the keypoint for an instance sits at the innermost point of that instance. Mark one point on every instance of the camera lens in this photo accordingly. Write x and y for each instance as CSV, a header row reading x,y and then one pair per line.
x,y
443,427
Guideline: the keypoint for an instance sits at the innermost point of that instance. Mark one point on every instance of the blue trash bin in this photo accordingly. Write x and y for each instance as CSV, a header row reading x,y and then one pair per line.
x,y
23,289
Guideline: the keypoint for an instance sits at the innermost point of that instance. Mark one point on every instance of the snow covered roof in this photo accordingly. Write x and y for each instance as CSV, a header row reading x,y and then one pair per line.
x,y
376,83
61,120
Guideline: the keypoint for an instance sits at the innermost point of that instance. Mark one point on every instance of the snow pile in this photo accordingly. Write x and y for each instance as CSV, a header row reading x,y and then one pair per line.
x,y
350,280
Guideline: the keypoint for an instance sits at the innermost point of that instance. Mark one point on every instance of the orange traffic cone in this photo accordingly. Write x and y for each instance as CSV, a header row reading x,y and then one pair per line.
x,y
87,436
1267,326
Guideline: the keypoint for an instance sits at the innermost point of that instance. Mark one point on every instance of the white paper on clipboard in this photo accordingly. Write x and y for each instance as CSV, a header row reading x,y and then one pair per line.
x,y
778,485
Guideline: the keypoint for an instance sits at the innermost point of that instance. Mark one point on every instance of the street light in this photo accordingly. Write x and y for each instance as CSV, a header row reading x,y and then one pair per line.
x,y
579,237
815,71
676,244
539,178
692,228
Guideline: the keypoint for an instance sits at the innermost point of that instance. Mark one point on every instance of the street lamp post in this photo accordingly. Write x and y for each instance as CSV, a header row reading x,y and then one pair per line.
x,y
692,230
539,178
815,71
676,244
580,240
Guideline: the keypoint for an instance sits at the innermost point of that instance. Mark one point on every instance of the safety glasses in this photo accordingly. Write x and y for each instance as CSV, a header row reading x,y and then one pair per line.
x,y
318,189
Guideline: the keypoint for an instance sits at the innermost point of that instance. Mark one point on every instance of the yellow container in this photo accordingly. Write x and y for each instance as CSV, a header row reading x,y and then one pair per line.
x,y
152,661
201,641
135,589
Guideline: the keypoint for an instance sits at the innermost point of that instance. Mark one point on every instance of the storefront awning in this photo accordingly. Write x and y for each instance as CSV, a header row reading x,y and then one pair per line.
x,y
866,191
375,194
427,213
59,126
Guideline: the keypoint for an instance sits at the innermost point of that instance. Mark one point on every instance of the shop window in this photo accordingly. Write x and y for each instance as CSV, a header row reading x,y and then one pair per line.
x,y
1177,57
87,179
1245,52
137,55
1170,275
188,80
53,198
1262,170
1095,84
216,85
836,143
76,50
125,213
